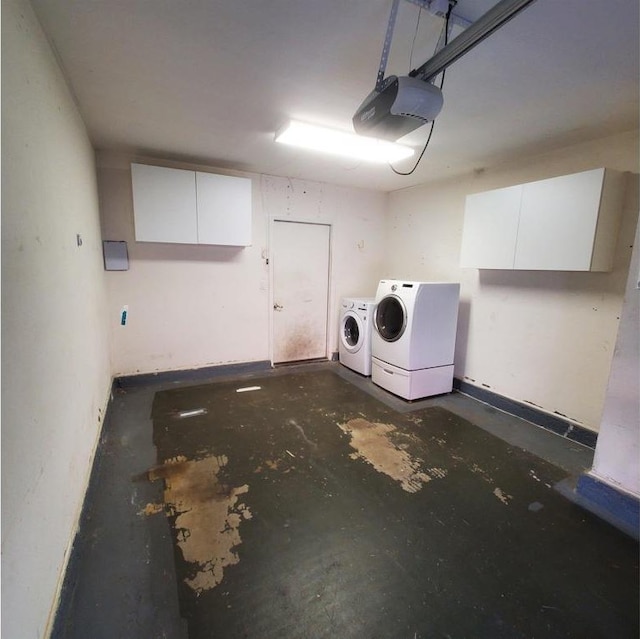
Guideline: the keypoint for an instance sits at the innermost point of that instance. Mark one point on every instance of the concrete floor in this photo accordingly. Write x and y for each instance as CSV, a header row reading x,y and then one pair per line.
x,y
344,512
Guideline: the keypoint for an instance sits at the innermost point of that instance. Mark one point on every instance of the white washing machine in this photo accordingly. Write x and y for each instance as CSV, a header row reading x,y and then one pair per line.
x,y
356,328
414,337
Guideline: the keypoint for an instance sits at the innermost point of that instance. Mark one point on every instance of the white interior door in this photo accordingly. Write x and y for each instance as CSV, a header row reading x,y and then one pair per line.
x,y
300,259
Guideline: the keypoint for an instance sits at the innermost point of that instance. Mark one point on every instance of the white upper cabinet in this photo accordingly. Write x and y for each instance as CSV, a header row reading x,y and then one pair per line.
x,y
558,220
188,207
568,223
493,216
224,209
164,204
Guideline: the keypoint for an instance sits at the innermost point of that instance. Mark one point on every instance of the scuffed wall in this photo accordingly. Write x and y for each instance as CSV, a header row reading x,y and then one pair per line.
x,y
192,306
55,362
544,338
617,457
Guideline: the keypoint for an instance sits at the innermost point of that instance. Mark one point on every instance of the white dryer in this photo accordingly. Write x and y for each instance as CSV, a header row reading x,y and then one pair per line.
x,y
356,327
414,338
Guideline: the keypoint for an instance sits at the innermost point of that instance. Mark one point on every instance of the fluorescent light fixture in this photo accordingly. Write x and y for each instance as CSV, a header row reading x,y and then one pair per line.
x,y
318,138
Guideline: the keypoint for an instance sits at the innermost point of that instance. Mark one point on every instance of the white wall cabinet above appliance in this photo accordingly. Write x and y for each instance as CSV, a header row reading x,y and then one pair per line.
x,y
190,207
567,223
491,228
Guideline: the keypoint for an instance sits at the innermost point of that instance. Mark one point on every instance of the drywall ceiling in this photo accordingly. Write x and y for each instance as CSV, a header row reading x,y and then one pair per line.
x,y
210,81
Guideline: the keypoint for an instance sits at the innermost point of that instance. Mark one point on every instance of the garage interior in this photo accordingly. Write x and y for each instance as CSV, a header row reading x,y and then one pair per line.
x,y
144,496
346,512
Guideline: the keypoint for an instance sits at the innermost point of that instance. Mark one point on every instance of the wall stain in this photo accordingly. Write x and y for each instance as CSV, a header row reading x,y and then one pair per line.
x,y
207,516
304,340
298,346
372,443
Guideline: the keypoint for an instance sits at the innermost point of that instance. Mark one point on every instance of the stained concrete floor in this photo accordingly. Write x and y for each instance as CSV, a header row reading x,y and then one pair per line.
x,y
342,511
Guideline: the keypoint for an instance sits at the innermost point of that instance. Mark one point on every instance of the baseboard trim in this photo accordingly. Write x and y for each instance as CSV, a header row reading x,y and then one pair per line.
x,y
191,375
70,570
620,509
553,423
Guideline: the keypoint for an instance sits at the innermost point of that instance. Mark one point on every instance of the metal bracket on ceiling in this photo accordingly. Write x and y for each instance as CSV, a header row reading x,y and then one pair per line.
x,y
387,45
436,7
439,8
492,20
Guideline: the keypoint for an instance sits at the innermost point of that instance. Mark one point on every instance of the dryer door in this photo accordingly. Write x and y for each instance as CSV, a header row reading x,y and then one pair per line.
x,y
391,318
351,332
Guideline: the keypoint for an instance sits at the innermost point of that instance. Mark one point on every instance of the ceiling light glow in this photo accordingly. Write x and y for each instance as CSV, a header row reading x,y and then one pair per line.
x,y
317,138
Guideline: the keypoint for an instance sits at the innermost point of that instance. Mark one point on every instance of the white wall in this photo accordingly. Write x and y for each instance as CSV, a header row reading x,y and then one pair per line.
x,y
618,449
195,306
539,337
55,366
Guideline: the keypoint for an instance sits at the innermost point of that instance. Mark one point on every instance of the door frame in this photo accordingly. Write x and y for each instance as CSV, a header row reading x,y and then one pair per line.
x,y
271,232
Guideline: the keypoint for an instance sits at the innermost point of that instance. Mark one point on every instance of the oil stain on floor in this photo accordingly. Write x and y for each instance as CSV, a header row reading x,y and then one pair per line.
x,y
206,516
373,444
307,508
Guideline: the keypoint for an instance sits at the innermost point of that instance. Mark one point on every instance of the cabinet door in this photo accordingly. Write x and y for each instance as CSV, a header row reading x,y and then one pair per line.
x,y
164,204
490,228
224,209
558,220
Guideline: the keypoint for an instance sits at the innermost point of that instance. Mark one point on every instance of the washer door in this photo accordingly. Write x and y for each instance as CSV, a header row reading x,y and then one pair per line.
x,y
351,332
391,318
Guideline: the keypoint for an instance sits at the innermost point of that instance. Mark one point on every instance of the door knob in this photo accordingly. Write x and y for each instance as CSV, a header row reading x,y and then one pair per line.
x,y
277,307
